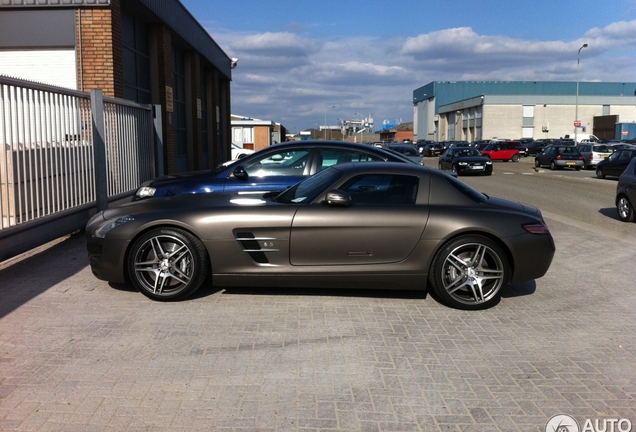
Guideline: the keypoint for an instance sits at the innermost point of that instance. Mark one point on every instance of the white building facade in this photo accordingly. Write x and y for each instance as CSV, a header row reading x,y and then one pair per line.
x,y
471,111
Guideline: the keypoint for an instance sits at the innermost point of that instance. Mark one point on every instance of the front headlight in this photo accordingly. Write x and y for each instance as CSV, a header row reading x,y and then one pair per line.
x,y
489,162
104,228
145,192
463,163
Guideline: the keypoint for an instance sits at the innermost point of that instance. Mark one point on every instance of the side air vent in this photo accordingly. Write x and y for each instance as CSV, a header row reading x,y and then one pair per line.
x,y
252,247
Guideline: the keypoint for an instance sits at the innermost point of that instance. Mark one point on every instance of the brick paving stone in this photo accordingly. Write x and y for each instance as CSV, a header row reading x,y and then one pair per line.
x,y
79,354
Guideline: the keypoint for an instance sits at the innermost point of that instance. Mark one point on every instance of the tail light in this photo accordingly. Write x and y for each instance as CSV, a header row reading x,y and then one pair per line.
x,y
536,228
581,157
559,157
591,156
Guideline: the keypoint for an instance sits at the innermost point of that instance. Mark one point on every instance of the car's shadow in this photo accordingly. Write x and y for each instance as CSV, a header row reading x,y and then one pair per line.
x,y
207,289
520,289
609,212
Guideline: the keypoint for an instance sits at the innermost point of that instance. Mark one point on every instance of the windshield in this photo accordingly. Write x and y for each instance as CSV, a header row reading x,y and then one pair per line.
x,y
308,189
465,152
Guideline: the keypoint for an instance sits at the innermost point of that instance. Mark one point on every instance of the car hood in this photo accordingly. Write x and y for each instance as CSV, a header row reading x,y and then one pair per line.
x,y
471,159
190,175
192,201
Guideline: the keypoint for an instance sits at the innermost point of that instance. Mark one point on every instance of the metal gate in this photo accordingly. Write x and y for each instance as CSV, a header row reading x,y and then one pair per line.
x,y
64,154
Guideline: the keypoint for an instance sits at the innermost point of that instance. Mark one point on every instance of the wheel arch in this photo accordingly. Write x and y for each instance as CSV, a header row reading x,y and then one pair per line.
x,y
490,236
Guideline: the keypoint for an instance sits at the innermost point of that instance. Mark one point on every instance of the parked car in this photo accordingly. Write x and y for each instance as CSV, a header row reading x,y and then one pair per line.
x,y
616,163
480,144
465,160
522,147
502,150
537,146
626,193
406,149
352,225
420,144
560,156
431,149
239,152
594,153
274,168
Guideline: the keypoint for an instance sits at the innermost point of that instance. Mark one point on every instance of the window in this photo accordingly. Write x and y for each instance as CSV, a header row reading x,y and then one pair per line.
x,y
382,189
283,163
329,157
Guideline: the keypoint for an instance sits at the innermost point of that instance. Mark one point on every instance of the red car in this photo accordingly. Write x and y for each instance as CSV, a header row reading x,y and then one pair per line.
x,y
504,151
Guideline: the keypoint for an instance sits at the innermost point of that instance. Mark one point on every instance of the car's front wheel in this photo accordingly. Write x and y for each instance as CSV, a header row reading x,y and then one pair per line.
x,y
625,209
537,163
469,272
167,264
599,173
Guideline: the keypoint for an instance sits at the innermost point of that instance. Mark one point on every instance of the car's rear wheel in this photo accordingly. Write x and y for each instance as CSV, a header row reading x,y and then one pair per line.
x,y
515,158
599,173
469,272
625,209
553,166
167,264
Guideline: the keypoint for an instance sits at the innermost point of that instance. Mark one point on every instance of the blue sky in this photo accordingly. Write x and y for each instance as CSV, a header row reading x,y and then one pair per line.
x,y
302,61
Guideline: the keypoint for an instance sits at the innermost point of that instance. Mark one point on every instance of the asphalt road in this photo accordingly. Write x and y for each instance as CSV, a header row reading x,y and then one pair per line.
x,y
574,197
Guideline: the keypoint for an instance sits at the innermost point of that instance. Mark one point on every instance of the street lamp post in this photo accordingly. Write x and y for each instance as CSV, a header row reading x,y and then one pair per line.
x,y
576,112
324,134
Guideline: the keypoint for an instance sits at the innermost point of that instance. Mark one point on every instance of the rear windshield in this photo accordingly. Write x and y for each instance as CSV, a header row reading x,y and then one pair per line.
x,y
473,194
601,149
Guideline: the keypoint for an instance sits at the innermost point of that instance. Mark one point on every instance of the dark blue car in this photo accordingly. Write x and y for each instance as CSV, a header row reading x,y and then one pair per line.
x,y
272,169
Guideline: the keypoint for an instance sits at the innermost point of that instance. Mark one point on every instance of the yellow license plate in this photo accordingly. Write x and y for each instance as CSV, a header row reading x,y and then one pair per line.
x,y
571,163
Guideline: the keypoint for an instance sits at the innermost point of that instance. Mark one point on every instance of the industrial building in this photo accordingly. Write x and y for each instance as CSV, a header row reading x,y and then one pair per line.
x,y
478,110
146,51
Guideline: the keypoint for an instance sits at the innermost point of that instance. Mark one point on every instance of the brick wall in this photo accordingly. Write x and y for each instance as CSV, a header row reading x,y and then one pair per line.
x,y
99,53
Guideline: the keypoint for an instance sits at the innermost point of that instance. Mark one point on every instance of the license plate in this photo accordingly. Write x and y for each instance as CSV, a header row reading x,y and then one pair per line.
x,y
571,163
603,156
477,167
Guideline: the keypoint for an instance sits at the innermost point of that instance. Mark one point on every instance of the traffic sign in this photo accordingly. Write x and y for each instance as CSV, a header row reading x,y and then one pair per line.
x,y
577,123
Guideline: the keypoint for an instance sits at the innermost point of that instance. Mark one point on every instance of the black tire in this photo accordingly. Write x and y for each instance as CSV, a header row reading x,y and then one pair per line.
x,y
167,264
454,169
553,166
466,265
625,209
599,173
537,163
515,158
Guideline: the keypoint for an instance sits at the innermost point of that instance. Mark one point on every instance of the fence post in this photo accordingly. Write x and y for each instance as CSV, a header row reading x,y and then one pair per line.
x,y
158,125
99,149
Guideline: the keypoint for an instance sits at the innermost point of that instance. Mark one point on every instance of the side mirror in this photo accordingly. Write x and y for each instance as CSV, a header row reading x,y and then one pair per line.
x,y
338,198
240,173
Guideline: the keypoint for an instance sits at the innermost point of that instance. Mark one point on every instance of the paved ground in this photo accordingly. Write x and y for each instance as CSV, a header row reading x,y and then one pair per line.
x,y
79,355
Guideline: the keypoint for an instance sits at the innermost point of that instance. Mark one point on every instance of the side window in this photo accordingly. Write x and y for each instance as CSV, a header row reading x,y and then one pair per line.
x,y
384,189
282,163
329,157
626,156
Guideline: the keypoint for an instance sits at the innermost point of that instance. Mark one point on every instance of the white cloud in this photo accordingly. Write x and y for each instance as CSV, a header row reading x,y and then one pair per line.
x,y
292,79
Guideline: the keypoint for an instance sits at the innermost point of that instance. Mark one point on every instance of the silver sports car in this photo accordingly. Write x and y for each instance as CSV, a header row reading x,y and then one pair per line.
x,y
371,225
